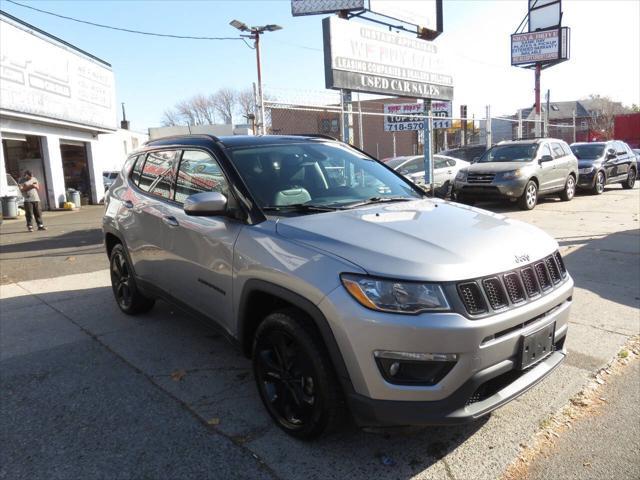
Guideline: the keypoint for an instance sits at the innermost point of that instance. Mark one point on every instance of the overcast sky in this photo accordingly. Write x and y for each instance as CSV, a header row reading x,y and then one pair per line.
x,y
153,73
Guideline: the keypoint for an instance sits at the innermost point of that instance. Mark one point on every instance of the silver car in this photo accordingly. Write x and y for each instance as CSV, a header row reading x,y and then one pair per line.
x,y
347,287
445,170
520,171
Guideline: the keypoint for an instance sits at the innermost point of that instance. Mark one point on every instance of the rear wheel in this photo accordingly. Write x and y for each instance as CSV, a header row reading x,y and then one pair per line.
x,y
123,283
295,377
529,197
569,189
631,179
598,186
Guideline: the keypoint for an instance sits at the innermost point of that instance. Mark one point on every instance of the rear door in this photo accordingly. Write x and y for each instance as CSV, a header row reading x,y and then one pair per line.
x,y
624,158
199,260
561,161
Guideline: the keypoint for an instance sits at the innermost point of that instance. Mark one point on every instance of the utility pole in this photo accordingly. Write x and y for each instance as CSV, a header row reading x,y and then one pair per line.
x,y
537,99
360,126
519,124
488,128
428,141
546,117
254,34
573,116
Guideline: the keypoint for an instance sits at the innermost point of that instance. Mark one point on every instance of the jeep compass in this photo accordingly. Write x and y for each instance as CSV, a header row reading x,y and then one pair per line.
x,y
350,290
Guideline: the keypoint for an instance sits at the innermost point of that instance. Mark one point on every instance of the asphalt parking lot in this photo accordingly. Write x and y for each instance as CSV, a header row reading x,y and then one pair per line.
x,y
88,392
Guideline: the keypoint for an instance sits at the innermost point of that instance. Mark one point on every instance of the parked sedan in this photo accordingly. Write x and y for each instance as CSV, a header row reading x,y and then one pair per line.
x,y
444,170
603,163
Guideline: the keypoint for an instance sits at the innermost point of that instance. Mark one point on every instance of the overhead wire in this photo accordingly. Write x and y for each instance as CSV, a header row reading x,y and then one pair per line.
x,y
122,29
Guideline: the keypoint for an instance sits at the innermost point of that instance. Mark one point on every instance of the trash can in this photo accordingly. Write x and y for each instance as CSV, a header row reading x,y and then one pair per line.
x,y
10,207
73,196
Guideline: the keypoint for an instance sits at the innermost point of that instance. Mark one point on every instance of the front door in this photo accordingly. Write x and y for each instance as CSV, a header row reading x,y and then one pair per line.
x,y
200,249
547,170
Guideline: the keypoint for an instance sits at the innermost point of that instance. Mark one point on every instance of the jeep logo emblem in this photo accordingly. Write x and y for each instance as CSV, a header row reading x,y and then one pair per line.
x,y
522,258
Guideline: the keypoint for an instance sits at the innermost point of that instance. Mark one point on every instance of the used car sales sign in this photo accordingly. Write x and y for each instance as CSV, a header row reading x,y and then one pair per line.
x,y
368,59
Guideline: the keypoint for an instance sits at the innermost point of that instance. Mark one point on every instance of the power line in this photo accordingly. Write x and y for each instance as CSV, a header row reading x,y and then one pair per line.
x,y
128,30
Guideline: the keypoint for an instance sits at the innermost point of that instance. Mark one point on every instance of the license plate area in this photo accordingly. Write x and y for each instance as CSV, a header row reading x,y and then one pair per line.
x,y
536,346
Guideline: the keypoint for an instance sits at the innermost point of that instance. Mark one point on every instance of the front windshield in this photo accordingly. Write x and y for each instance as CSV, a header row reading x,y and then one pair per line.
x,y
588,151
517,152
319,174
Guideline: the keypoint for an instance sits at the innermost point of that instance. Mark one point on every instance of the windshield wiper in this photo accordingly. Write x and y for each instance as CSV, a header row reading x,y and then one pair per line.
x,y
298,207
373,200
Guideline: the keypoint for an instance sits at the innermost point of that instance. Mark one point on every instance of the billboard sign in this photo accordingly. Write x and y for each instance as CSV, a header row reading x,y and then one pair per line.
x,y
403,117
374,60
441,109
425,13
542,46
314,7
39,76
544,14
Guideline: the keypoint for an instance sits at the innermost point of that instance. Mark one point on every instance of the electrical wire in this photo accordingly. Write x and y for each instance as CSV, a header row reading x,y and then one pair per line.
x,y
128,30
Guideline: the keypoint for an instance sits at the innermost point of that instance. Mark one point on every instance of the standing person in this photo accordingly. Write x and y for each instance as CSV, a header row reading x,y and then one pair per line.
x,y
29,188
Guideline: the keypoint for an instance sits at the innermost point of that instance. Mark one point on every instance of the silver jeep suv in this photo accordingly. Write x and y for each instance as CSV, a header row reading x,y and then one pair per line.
x,y
521,171
347,287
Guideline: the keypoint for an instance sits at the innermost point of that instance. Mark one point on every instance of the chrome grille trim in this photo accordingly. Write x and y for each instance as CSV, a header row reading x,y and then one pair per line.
x,y
514,288
480,177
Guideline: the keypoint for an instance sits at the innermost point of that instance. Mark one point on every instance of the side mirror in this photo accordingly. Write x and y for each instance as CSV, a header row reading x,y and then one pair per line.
x,y
205,204
475,159
611,153
546,158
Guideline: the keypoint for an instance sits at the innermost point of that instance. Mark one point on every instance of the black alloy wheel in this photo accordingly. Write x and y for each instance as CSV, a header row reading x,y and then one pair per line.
x,y
598,186
295,378
123,283
631,179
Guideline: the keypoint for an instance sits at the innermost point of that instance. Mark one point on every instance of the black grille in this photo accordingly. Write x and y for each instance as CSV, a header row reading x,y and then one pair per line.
x,y
543,276
495,293
553,269
472,298
530,282
480,177
514,286
560,262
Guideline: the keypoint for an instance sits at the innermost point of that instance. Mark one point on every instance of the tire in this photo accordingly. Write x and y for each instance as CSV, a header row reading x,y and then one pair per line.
x,y
123,284
630,181
529,198
569,189
599,183
295,378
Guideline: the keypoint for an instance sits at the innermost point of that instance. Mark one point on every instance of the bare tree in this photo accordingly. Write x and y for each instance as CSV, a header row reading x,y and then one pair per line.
x,y
224,101
603,111
246,102
170,118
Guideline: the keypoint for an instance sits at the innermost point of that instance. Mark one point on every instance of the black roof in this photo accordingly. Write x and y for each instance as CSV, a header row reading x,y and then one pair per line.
x,y
234,140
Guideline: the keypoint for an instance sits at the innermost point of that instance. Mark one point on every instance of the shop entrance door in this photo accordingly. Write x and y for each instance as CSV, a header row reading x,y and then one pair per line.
x,y
24,152
75,165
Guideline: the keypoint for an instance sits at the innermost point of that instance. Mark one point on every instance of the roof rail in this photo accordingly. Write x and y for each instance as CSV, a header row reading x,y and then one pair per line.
x,y
187,135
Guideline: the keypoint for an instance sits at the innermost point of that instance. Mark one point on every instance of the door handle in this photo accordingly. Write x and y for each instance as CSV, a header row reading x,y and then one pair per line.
x,y
128,203
171,221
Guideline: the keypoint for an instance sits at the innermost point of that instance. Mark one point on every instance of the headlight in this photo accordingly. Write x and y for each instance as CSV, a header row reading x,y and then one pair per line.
x,y
512,174
461,176
395,296
586,170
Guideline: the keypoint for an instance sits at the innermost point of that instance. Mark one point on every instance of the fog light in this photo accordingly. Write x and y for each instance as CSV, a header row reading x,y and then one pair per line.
x,y
408,368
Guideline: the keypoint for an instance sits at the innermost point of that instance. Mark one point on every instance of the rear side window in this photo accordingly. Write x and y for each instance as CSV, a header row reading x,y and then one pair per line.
x,y
157,174
620,148
199,172
413,166
557,150
137,169
565,147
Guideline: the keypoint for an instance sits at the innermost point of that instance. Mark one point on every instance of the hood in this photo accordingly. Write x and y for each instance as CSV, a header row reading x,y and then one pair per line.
x,y
589,163
421,240
495,167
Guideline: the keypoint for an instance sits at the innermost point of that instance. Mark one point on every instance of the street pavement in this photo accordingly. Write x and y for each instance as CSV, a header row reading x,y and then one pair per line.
x,y
90,392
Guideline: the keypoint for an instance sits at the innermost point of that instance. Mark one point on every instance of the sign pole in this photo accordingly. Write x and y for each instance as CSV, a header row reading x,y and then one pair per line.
x,y
428,160
347,117
537,99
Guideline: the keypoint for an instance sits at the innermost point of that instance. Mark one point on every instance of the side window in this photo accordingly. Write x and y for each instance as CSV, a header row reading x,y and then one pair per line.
x,y
451,162
137,169
157,174
199,172
545,150
620,148
415,165
439,163
565,147
557,150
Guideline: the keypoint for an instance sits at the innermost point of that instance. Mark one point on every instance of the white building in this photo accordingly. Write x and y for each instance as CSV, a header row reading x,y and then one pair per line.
x,y
57,114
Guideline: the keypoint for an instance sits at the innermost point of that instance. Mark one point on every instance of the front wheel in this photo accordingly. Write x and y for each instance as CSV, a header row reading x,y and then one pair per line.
x,y
631,179
123,283
598,186
295,377
529,197
569,189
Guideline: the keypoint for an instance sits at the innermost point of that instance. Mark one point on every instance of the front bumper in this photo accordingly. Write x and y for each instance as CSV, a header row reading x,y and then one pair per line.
x,y
496,189
484,377
587,180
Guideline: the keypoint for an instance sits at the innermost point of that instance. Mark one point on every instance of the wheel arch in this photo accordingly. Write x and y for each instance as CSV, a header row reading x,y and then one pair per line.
x,y
259,298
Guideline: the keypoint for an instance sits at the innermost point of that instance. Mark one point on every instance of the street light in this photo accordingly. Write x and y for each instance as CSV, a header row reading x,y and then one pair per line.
x,y
254,34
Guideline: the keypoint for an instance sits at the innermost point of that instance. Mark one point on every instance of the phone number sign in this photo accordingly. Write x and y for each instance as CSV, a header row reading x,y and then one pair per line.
x,y
403,117
441,109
